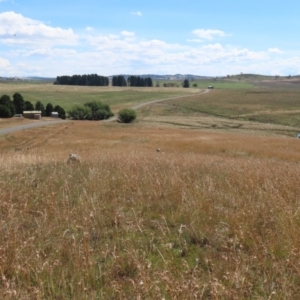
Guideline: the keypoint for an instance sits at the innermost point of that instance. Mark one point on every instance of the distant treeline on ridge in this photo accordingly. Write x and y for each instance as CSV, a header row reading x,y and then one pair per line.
x,y
96,80
90,80
132,81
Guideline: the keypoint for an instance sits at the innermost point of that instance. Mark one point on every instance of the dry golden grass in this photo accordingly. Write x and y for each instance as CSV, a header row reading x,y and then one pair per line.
x,y
211,216
10,122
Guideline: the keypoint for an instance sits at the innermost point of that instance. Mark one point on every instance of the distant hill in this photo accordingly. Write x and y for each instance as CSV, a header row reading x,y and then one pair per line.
x,y
33,78
36,78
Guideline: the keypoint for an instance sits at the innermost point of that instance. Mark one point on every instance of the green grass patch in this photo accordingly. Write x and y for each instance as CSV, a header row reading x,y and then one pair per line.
x,y
67,96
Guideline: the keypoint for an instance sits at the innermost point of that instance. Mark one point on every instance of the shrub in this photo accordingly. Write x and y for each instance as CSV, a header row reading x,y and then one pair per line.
x,y
80,112
100,111
127,115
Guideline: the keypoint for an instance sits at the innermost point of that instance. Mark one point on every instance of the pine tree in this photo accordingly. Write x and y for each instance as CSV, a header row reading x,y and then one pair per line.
x,y
19,103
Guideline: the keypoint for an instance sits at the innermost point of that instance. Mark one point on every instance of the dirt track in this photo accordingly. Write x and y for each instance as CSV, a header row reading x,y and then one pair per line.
x,y
156,101
28,126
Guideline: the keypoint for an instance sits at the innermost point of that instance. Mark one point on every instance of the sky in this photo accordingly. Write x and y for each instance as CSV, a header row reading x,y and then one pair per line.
x,y
110,37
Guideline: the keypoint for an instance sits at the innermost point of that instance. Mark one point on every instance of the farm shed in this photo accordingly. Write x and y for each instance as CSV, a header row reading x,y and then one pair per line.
x,y
54,114
34,114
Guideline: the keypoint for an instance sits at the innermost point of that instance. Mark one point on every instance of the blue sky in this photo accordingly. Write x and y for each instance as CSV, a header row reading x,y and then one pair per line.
x,y
108,37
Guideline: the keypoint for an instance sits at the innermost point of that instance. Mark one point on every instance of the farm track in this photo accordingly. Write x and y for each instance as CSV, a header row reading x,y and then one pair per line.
x,y
135,107
29,126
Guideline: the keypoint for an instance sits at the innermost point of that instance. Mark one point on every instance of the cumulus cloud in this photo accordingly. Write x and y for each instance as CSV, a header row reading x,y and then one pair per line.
x,y
55,52
137,13
128,33
275,50
194,40
4,63
17,29
51,51
208,34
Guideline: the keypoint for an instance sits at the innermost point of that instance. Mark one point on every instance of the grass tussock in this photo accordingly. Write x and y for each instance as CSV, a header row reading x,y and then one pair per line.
x,y
195,222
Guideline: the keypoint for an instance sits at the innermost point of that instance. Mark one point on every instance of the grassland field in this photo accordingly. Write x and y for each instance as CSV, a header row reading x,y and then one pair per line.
x,y
213,215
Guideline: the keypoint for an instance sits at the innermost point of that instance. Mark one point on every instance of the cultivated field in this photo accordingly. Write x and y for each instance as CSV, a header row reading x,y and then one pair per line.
x,y
213,215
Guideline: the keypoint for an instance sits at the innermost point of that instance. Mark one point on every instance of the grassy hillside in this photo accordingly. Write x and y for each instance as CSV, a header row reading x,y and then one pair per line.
x,y
67,96
213,215
210,216
280,107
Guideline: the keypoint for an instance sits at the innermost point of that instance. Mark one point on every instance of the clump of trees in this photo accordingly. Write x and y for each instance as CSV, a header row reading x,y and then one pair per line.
x,y
84,80
132,81
119,81
94,110
126,115
8,107
139,81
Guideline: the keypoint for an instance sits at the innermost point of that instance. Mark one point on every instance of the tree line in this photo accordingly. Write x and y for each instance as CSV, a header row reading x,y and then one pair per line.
x,y
8,107
96,80
133,81
84,80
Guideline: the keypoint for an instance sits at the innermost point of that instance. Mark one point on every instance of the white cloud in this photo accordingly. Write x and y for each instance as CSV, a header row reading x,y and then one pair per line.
x,y
208,34
39,49
137,13
127,33
194,40
275,50
56,52
4,63
17,29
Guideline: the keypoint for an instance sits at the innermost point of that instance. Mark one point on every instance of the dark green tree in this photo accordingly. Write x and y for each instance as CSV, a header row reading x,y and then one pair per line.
x,y
61,111
4,111
28,106
40,106
5,100
49,109
186,83
19,103
119,81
